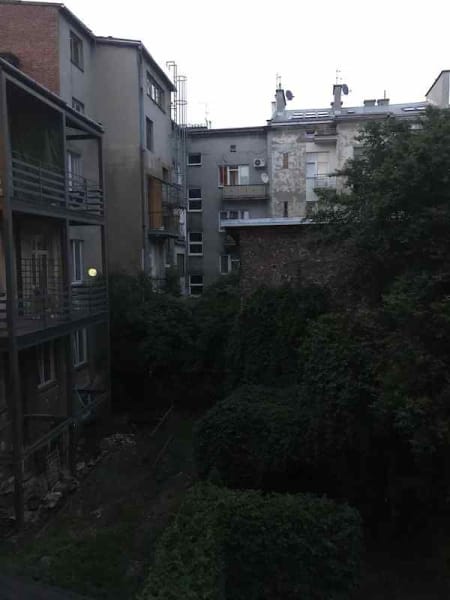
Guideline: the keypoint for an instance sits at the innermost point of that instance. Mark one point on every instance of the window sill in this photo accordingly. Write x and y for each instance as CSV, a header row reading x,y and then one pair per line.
x,y
194,164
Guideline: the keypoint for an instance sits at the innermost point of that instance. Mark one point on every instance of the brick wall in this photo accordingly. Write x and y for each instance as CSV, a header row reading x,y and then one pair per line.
x,y
273,256
31,33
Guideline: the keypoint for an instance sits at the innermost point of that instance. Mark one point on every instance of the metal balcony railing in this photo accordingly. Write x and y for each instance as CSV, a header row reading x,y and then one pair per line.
x,y
44,301
245,192
48,186
165,224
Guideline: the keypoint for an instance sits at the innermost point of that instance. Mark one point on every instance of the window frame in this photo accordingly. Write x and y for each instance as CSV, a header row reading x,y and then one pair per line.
x,y
195,243
75,103
74,244
79,342
199,286
156,92
76,41
40,357
194,164
195,199
241,215
227,172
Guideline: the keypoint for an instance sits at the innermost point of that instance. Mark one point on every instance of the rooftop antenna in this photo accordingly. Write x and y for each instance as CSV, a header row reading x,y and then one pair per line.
x,y
278,81
338,76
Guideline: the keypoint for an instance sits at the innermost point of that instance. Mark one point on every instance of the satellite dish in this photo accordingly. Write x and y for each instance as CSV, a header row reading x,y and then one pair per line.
x,y
289,95
264,178
345,89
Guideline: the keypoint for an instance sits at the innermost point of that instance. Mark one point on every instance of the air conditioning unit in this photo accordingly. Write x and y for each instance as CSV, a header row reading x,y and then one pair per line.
x,y
259,163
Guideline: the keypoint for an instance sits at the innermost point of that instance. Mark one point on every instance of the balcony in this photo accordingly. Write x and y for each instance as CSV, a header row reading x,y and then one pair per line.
x,y
41,307
164,224
49,188
245,192
320,182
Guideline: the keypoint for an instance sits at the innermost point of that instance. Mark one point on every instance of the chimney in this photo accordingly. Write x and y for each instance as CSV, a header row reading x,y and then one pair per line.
x,y
280,100
337,93
383,101
369,102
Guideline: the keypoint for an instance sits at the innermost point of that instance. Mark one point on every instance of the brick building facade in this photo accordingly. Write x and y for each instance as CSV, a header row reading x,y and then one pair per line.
x,y
32,36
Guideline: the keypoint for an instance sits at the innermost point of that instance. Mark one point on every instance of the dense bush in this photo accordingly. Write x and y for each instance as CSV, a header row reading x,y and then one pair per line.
x,y
249,438
228,545
268,331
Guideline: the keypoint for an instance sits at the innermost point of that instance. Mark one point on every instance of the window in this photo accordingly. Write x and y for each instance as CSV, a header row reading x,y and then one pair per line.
x,y
149,133
46,363
195,243
195,285
285,160
76,247
228,264
233,148
78,106
194,160
234,175
155,92
76,50
194,199
317,170
79,341
180,265
74,170
225,215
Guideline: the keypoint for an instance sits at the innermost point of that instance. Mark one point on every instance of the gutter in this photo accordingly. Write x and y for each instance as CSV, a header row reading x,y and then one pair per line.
x,y
140,64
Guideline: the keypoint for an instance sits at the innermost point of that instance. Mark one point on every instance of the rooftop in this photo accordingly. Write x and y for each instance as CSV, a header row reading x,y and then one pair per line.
x,y
309,115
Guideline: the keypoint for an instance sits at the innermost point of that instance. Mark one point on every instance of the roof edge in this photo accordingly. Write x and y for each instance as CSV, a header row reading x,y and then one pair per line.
x,y
114,41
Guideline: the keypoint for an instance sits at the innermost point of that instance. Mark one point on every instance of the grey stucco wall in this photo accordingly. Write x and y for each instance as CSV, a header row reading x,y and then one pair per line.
x,y
74,82
439,94
117,105
214,147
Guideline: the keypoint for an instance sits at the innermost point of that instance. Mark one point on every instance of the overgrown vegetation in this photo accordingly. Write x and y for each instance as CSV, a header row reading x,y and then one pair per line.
x,y
236,545
351,399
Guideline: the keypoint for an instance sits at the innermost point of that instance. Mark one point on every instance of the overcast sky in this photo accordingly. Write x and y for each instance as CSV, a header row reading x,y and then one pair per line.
x,y
231,51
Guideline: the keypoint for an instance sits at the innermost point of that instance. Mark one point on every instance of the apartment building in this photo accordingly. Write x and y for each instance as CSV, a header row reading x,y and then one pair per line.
x,y
305,148
227,180
54,363
118,83
246,179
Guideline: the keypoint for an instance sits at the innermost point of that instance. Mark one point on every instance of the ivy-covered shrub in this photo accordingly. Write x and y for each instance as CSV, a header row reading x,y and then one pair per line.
x,y
268,332
232,545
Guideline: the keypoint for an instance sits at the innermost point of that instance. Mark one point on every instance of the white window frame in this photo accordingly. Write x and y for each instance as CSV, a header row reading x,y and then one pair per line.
x,y
241,214
195,243
74,170
238,170
316,159
194,164
195,286
232,260
79,341
40,350
155,92
200,199
77,248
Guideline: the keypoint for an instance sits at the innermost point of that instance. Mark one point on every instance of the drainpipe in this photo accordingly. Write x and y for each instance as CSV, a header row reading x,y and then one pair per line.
x,y
144,212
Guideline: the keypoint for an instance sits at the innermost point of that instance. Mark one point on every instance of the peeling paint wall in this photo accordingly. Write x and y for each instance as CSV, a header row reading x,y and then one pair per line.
x,y
288,175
